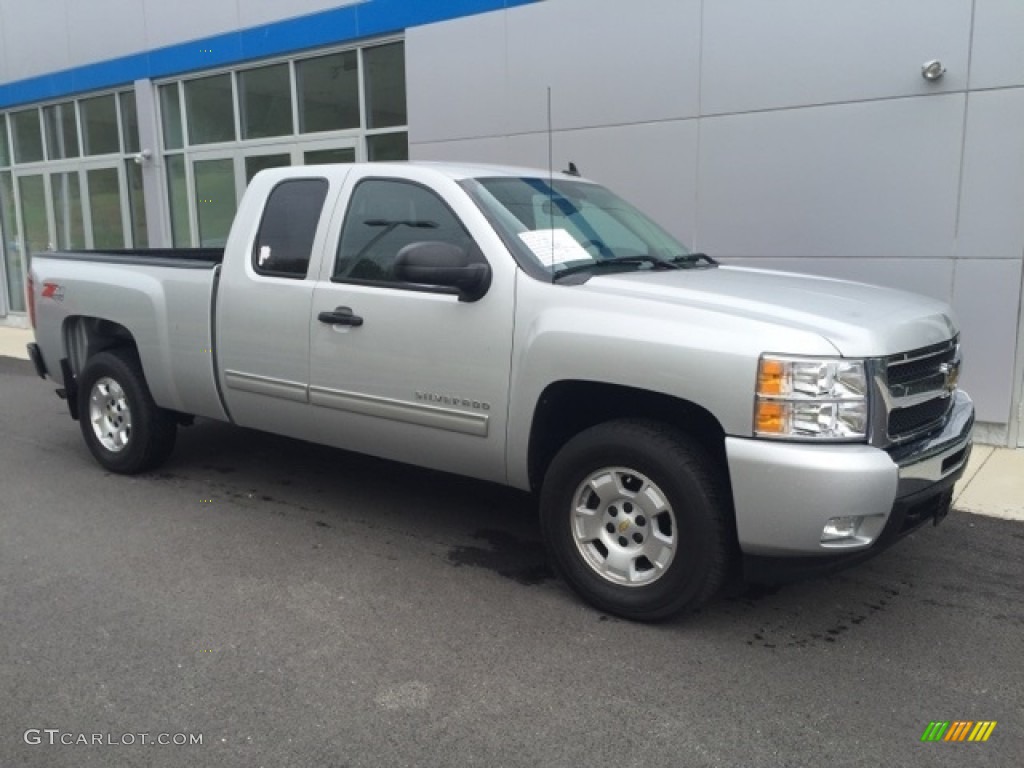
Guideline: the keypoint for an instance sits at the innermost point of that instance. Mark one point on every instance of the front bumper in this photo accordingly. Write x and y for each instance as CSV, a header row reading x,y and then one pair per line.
x,y
785,493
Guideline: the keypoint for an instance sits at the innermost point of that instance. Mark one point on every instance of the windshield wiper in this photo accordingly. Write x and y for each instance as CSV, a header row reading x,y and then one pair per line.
x,y
693,259
613,262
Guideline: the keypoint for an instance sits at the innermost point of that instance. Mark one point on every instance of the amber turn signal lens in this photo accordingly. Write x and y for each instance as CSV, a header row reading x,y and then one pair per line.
x,y
769,377
770,417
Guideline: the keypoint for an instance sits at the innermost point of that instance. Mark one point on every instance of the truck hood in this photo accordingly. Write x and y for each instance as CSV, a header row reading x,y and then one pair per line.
x,y
859,320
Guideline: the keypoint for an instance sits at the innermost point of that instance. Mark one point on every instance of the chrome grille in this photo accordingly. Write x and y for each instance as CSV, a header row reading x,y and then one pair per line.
x,y
919,385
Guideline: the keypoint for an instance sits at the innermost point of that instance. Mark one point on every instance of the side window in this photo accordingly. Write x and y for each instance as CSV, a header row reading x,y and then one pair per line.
x,y
284,242
383,217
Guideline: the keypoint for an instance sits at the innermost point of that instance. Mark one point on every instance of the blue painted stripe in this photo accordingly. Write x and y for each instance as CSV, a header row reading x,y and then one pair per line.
x,y
339,25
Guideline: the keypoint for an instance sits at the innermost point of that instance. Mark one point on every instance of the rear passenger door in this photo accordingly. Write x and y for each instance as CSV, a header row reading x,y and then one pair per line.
x,y
263,308
418,375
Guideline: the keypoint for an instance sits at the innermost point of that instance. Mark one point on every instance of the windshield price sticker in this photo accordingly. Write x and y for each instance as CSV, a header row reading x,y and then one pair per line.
x,y
554,246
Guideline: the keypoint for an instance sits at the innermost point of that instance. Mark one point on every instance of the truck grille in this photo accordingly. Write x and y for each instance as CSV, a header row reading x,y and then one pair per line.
x,y
920,384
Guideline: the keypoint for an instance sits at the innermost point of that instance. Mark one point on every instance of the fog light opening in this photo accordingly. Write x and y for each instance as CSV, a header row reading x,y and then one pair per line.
x,y
838,528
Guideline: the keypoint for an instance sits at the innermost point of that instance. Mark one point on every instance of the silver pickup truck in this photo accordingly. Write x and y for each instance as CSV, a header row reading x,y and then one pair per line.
x,y
678,419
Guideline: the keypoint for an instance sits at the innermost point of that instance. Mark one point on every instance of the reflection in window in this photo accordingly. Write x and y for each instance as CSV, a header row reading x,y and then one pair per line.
x,y
265,99
325,156
137,204
257,163
215,200
5,151
129,121
328,88
385,85
61,130
209,105
170,113
28,141
386,147
177,194
105,207
66,193
284,242
11,245
99,125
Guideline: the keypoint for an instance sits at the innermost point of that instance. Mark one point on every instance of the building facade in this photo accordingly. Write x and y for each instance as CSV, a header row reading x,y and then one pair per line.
x,y
806,135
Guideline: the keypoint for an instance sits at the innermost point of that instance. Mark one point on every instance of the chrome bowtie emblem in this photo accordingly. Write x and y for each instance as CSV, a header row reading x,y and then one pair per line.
x,y
951,372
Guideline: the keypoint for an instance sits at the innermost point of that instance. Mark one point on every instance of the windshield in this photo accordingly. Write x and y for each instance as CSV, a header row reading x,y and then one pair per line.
x,y
564,227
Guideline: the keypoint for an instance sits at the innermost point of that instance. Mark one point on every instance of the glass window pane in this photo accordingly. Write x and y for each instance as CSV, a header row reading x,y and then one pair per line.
x,y
61,131
257,163
388,147
384,217
209,108
66,193
318,156
137,205
284,242
385,85
215,200
177,193
99,125
170,116
328,88
129,121
5,150
28,141
265,97
12,244
32,191
105,206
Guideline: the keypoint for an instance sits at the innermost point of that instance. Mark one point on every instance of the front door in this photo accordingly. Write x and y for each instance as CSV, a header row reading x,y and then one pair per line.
x,y
416,375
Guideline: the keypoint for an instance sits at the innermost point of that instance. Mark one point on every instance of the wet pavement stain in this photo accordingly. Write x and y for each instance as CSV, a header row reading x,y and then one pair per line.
x,y
521,561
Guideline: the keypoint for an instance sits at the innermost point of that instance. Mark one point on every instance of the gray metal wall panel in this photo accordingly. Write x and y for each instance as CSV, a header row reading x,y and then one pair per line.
x,y
997,55
766,55
37,42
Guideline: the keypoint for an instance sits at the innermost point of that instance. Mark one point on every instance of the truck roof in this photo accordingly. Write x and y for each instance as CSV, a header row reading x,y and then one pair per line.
x,y
468,170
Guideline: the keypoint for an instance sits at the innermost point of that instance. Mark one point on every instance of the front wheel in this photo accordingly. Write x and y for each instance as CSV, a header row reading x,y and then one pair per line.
x,y
124,429
636,521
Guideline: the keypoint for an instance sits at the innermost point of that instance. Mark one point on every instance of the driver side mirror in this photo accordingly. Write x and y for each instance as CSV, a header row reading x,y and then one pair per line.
x,y
444,264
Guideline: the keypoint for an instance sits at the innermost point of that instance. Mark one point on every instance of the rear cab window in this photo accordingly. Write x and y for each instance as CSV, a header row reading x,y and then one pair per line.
x,y
284,241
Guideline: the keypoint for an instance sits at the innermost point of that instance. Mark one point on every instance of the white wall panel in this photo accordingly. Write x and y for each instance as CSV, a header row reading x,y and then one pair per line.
x,y
34,43
92,24
986,297
255,12
455,79
863,179
168,23
930,277
992,194
762,55
997,56
607,62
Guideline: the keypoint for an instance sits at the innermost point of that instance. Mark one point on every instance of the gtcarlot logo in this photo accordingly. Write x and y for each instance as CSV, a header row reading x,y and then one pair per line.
x,y
55,736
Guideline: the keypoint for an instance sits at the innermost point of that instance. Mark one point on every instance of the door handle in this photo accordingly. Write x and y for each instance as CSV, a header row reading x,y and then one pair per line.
x,y
340,316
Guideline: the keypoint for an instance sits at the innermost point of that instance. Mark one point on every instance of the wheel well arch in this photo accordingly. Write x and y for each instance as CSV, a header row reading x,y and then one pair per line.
x,y
566,408
86,336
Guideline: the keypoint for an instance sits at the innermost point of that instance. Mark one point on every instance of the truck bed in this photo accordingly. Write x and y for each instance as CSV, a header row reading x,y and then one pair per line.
x,y
187,258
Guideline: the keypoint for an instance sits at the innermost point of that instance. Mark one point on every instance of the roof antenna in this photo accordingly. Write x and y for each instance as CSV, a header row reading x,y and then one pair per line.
x,y
571,170
551,188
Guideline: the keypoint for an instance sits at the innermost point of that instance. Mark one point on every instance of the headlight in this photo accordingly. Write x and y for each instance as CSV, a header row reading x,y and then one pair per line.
x,y
811,399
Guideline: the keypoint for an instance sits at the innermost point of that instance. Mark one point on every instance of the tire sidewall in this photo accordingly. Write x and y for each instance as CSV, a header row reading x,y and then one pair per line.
x,y
691,495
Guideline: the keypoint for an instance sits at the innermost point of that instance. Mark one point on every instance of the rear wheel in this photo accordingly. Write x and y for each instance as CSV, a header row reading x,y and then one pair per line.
x,y
124,429
635,518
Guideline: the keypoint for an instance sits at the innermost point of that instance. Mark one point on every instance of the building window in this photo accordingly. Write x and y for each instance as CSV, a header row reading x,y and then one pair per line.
x,y
328,88
28,139
265,101
209,107
385,85
100,133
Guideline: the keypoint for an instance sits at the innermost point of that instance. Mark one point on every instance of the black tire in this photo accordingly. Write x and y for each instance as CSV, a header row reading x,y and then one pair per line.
x,y
634,463
124,429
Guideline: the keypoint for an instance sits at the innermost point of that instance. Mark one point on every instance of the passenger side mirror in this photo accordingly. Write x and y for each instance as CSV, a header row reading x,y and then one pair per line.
x,y
444,264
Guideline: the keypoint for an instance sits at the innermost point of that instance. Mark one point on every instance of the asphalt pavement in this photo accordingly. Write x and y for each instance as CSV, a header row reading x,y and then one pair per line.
x,y
293,605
